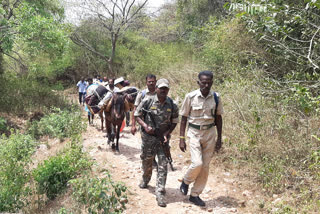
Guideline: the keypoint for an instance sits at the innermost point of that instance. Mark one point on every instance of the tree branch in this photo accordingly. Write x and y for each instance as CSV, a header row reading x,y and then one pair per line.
x,y
310,50
77,40
17,60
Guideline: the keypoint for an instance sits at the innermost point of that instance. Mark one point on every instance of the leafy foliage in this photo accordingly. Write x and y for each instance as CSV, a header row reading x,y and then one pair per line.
x,y
100,195
53,175
289,31
20,95
3,125
19,17
60,123
15,157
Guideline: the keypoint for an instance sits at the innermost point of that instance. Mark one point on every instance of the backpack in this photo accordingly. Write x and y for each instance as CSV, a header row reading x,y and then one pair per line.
x,y
216,99
143,93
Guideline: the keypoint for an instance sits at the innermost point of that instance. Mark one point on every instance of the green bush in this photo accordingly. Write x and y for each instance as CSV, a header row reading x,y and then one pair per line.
x,y
15,157
60,123
3,125
21,95
100,195
53,175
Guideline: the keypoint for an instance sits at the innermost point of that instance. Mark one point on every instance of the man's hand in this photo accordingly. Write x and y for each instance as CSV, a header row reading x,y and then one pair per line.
x,y
148,129
182,145
166,136
133,129
218,145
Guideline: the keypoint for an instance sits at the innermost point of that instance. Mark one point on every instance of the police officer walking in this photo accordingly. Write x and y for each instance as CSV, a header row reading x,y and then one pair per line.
x,y
202,108
149,91
158,116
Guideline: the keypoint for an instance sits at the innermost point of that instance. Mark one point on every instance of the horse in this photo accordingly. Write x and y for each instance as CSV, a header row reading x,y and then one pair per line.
x,y
114,119
114,113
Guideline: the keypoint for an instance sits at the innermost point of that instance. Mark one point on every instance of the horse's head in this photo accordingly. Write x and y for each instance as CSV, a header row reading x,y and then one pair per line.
x,y
118,106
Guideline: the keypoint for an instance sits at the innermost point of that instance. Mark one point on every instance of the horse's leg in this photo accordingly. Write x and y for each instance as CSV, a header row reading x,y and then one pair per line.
x,y
118,136
113,146
105,120
108,127
101,117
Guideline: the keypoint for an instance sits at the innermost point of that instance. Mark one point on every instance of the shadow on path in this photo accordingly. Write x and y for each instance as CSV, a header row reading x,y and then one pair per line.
x,y
173,195
128,151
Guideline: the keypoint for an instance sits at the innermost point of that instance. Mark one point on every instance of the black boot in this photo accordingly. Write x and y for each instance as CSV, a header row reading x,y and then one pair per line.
x,y
197,201
161,201
184,188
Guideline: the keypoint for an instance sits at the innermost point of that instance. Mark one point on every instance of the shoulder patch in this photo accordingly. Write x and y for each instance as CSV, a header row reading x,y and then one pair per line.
x,y
168,109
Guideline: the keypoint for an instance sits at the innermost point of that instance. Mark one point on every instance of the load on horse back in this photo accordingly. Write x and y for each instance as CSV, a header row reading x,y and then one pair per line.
x,y
115,109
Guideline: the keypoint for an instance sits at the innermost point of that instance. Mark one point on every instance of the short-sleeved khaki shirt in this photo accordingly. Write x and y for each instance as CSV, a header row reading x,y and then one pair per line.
x,y
164,114
199,109
139,97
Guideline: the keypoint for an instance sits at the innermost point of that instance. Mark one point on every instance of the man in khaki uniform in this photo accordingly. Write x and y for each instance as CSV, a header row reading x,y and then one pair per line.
x,y
200,110
149,91
158,116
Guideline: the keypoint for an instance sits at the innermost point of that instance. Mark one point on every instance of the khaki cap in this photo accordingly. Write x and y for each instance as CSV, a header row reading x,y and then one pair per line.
x,y
163,83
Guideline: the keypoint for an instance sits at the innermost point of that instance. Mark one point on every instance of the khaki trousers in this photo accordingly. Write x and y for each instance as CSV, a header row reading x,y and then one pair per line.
x,y
201,145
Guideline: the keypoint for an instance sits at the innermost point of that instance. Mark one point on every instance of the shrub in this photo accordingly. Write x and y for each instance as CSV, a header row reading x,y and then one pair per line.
x,y
3,125
60,123
100,195
15,157
21,95
53,175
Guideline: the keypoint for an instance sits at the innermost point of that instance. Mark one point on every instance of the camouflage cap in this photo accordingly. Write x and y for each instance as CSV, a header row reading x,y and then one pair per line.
x,y
163,83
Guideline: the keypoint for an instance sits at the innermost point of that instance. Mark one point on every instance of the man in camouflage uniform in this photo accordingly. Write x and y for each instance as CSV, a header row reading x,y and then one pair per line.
x,y
149,91
161,113
202,109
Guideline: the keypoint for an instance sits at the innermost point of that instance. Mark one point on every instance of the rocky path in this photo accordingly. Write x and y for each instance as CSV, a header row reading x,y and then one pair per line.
x,y
222,194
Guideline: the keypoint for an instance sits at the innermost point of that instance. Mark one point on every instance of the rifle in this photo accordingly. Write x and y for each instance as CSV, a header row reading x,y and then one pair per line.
x,y
158,134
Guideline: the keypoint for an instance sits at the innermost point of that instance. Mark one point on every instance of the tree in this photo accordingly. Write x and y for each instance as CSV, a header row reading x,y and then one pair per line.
x,y
115,17
289,30
164,27
34,23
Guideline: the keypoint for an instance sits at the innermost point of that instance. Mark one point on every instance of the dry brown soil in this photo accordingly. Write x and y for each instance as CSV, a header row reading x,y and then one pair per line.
x,y
223,193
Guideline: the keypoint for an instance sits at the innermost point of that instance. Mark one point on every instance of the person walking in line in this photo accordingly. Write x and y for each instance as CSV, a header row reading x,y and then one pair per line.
x,y
158,116
105,81
202,109
82,86
122,85
151,80
90,115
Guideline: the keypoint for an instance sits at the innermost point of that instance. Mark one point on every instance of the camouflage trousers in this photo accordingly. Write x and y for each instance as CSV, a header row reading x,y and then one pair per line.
x,y
150,148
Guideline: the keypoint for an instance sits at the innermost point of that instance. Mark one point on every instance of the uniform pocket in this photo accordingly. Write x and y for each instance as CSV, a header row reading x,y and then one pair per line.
x,y
197,111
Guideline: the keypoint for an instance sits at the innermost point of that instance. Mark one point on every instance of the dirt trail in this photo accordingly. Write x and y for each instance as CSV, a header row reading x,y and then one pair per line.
x,y
222,194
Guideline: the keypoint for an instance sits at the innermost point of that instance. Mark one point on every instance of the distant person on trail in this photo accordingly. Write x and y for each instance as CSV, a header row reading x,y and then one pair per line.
x,y
111,87
121,84
97,79
90,116
202,108
149,91
105,81
158,116
82,86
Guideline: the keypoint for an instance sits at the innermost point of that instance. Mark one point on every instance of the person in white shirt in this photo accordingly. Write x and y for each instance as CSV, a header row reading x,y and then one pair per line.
x,y
82,86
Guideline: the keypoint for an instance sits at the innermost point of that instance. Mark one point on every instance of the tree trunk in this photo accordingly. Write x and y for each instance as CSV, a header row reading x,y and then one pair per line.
x,y
114,38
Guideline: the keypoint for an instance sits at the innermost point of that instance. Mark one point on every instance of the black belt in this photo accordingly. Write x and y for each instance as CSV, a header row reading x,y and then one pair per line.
x,y
201,127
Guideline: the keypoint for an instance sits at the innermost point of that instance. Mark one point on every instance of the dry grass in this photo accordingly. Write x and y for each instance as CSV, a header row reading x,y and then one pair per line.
x,y
266,141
